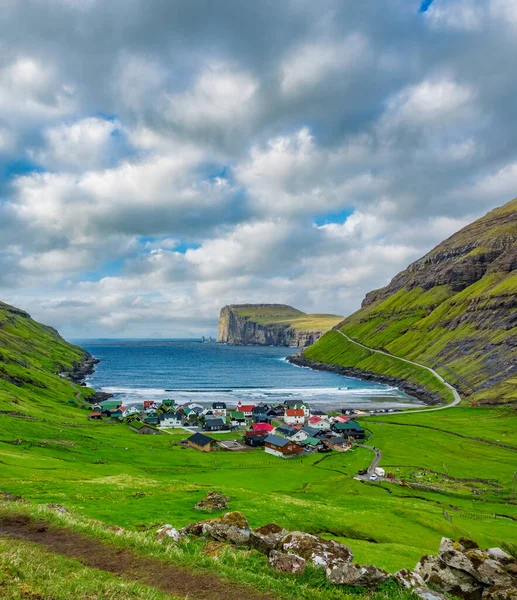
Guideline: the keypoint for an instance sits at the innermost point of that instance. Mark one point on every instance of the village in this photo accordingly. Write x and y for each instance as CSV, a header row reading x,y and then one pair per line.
x,y
287,430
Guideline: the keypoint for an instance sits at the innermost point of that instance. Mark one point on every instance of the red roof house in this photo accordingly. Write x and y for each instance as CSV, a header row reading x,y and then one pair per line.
x,y
262,427
294,416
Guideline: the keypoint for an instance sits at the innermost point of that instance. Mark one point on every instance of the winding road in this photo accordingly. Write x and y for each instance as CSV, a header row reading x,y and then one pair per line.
x,y
457,397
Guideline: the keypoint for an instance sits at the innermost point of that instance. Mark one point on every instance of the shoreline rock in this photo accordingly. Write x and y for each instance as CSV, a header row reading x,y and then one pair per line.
x,y
419,392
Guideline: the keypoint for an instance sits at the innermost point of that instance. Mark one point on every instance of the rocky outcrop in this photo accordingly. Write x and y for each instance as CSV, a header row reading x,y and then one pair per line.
x,y
316,550
271,325
287,563
168,532
231,527
412,389
462,569
267,538
212,501
357,575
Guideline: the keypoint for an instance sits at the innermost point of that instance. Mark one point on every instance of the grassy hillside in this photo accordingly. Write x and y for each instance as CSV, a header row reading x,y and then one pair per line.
x,y
31,356
454,310
459,471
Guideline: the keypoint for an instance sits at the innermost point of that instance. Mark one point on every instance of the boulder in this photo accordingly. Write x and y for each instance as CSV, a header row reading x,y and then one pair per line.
x,y
500,592
168,532
408,580
498,554
287,563
231,527
316,550
448,579
357,575
212,501
194,528
427,594
267,538
472,560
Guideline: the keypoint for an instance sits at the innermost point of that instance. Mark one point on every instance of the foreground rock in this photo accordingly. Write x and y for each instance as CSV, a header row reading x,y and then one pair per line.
x,y
316,550
408,580
212,501
168,532
267,538
231,527
357,575
287,563
462,569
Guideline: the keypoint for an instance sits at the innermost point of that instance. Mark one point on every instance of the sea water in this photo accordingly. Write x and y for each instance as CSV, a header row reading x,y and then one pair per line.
x,y
191,371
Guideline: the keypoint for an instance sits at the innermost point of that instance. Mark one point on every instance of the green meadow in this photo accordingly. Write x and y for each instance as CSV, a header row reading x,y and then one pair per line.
x,y
103,471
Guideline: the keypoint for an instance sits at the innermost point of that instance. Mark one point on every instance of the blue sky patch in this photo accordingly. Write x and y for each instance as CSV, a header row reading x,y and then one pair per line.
x,y
338,217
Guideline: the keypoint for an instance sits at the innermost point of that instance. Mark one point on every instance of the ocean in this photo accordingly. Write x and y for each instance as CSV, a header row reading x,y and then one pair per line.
x,y
191,371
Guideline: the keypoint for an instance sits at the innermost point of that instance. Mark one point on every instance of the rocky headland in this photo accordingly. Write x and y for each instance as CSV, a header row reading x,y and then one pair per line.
x,y
271,325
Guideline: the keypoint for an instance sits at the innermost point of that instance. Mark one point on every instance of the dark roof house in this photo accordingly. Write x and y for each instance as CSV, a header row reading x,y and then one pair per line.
x,y
201,442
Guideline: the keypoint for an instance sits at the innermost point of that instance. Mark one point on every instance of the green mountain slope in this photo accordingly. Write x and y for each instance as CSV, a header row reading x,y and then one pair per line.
x,y
454,310
31,357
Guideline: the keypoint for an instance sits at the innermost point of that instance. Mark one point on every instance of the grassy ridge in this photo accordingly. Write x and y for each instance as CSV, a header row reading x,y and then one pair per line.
x,y
334,349
31,356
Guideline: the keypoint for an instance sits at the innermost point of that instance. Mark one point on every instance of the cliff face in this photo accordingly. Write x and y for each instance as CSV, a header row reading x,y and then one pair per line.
x,y
271,325
455,310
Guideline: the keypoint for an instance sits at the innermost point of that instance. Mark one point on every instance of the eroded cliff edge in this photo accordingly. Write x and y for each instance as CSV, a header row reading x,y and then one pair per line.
x,y
271,325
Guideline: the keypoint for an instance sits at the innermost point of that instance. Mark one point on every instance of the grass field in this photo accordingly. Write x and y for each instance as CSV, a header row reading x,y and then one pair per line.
x,y
103,471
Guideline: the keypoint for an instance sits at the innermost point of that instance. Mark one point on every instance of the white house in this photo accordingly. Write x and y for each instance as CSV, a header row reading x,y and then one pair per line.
x,y
294,416
319,422
169,420
299,436
247,409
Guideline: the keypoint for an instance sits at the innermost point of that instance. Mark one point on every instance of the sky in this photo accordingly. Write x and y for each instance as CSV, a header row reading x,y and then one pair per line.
x,y
162,158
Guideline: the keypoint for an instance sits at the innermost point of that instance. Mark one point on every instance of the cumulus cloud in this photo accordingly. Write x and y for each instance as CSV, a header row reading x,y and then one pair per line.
x,y
160,159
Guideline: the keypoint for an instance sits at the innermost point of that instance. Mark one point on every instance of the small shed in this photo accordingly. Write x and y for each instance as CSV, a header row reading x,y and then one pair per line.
x,y
201,442
95,416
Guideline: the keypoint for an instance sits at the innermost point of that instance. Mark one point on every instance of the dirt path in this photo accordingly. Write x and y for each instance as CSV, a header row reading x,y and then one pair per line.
x,y
457,398
178,581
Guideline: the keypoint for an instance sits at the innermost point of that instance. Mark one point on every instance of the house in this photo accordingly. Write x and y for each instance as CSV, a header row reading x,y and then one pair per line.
x,y
143,428
275,411
108,405
150,405
253,440
278,446
247,409
296,435
152,419
340,419
214,425
260,415
312,444
169,420
340,444
95,416
351,429
318,422
115,413
168,402
293,404
132,410
262,427
237,418
201,442
193,405
310,431
285,430
219,409
294,416
319,413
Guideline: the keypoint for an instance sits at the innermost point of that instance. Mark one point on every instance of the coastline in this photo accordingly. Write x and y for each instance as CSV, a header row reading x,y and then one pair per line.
x,y
414,390
81,370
